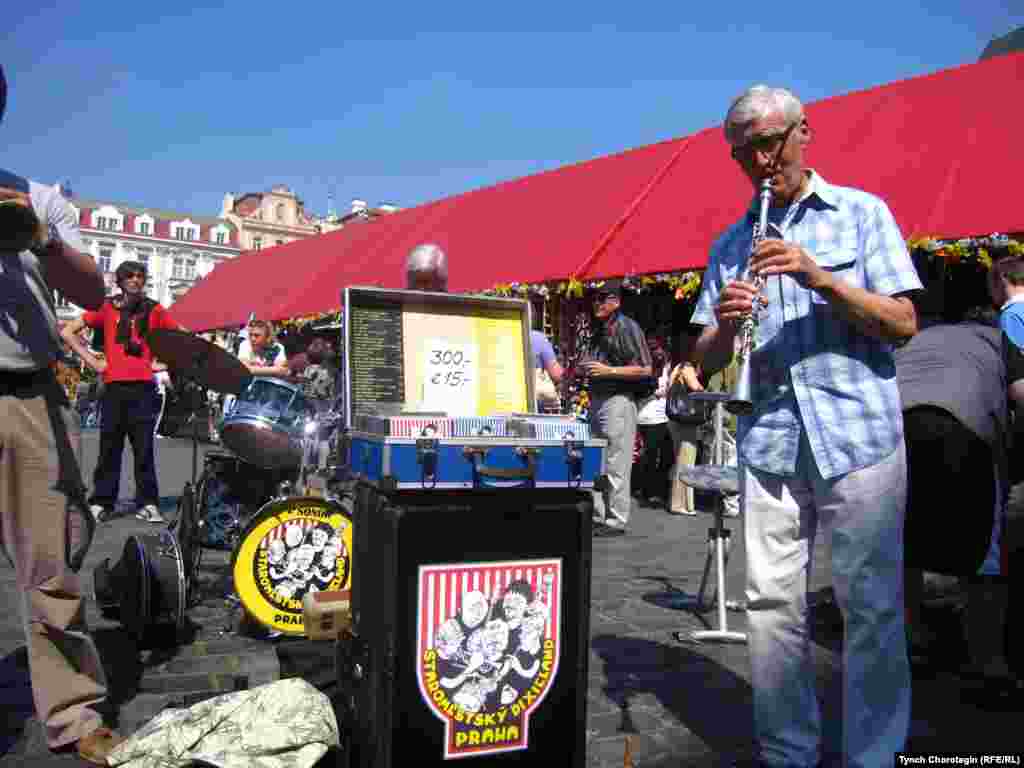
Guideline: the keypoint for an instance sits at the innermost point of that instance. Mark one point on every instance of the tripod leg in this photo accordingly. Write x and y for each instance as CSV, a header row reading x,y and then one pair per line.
x,y
701,605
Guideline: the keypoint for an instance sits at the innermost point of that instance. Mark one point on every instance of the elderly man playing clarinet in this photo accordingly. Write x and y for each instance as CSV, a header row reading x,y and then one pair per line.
x,y
823,444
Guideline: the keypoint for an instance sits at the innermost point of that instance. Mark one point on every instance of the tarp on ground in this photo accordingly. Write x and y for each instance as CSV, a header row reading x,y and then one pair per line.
x,y
941,149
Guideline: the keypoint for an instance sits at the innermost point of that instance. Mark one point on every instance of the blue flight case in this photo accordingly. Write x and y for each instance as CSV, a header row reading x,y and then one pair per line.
x,y
407,463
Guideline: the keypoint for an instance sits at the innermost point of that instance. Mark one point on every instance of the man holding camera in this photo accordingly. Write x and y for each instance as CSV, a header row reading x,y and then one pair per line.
x,y
45,530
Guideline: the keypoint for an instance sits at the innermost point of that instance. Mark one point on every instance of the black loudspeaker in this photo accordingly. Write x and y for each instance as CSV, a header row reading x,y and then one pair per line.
x,y
471,627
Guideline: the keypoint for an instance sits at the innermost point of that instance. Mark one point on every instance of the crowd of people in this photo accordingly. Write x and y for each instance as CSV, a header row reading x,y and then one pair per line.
x,y
846,434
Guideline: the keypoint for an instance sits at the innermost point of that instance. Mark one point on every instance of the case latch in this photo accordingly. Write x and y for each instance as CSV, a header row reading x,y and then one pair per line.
x,y
574,461
426,457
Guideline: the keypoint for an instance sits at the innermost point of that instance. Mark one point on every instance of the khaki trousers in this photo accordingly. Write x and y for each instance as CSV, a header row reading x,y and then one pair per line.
x,y
614,419
685,439
45,531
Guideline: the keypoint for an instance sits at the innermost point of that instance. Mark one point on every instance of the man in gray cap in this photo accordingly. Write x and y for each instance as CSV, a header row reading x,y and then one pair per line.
x,y
426,269
45,529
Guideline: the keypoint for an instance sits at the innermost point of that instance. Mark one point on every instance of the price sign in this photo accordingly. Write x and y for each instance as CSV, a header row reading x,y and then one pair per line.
x,y
450,377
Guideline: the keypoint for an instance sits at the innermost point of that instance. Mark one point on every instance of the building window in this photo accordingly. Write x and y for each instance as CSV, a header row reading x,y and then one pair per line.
x,y
279,211
178,271
220,237
257,243
101,222
143,227
142,255
106,257
190,269
181,233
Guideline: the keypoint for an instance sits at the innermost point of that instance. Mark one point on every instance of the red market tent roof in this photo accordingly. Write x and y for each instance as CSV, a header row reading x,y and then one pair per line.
x,y
941,149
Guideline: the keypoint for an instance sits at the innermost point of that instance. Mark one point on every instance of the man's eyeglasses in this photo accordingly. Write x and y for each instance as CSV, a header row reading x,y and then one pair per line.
x,y
766,144
130,275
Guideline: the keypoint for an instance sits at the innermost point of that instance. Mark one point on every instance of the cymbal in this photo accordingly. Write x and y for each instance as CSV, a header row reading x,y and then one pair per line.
x,y
202,361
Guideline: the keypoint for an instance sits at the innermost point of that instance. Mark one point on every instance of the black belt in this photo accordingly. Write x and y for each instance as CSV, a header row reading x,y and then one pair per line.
x,y
14,382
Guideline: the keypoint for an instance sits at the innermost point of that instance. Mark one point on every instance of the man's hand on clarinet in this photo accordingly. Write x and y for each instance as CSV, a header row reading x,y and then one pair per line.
x,y
777,257
736,301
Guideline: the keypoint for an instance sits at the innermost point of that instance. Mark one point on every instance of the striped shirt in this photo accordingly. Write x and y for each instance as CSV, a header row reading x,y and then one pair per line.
x,y
814,374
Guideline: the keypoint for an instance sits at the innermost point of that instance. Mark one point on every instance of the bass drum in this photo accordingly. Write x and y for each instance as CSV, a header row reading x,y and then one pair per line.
x,y
229,493
292,547
153,587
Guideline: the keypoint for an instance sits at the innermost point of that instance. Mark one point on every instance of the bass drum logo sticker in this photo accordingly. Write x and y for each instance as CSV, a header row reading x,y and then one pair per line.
x,y
488,649
291,548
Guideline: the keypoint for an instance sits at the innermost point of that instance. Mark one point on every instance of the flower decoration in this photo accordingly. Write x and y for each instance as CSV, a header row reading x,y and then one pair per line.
x,y
683,285
967,250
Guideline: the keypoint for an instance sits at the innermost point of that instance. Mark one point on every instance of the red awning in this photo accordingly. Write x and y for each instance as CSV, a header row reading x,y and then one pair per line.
x,y
940,149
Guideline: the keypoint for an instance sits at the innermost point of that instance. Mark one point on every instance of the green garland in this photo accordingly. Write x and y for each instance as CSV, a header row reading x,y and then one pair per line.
x,y
968,250
684,284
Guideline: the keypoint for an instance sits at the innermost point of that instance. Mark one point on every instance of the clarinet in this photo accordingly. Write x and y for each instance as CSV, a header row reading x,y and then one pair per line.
x,y
742,399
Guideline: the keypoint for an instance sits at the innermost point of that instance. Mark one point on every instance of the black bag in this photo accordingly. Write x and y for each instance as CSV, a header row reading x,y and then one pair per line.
x,y
680,408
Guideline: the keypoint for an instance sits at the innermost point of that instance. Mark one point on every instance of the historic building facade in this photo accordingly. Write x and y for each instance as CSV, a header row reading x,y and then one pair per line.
x,y
266,219
177,248
180,248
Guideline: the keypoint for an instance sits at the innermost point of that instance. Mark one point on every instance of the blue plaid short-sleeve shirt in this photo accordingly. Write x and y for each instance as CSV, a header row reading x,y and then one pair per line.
x,y
813,372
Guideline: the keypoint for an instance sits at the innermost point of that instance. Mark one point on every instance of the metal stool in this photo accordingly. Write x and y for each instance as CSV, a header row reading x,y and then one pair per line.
x,y
721,481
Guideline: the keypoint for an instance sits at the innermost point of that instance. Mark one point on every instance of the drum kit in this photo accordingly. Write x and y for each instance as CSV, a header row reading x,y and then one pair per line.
x,y
255,499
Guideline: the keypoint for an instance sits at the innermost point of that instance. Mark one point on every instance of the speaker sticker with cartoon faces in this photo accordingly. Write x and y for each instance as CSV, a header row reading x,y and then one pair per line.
x,y
488,649
294,547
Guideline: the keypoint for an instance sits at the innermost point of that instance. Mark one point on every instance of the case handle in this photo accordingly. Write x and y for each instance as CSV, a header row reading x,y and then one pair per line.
x,y
478,456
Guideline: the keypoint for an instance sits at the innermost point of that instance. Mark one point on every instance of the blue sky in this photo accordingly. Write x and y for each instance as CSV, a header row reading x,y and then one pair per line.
x,y
409,102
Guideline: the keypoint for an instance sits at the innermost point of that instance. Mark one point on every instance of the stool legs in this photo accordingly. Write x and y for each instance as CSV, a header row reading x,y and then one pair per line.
x,y
713,537
721,535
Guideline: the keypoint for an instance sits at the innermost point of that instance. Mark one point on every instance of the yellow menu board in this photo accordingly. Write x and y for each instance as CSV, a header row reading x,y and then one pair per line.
x,y
464,365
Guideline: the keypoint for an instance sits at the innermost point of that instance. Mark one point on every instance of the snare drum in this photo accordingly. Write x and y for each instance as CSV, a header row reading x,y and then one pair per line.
x,y
265,423
153,586
294,546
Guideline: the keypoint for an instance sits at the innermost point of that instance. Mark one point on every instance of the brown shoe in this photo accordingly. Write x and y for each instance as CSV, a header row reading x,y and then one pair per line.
x,y
95,747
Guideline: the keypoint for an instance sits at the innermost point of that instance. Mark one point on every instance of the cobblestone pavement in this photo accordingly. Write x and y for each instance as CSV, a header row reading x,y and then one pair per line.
x,y
682,703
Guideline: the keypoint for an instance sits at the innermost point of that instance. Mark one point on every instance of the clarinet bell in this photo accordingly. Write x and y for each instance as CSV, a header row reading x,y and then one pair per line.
x,y
742,401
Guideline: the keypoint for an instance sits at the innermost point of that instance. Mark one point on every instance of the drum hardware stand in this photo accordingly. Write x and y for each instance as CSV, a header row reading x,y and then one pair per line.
x,y
720,481
197,394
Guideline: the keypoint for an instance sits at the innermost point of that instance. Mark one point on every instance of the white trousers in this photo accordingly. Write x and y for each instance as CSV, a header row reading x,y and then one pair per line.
x,y
614,419
864,511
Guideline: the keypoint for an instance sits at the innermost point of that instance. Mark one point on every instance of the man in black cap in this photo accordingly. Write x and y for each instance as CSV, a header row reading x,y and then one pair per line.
x,y
45,529
618,369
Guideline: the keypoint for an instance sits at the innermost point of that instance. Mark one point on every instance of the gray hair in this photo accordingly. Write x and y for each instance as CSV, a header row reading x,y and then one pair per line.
x,y
428,257
756,103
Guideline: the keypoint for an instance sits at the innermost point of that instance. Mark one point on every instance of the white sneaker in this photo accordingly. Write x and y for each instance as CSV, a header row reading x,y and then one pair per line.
x,y
150,514
97,512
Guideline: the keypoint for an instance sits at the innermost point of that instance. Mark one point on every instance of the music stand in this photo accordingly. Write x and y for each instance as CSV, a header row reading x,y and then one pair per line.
x,y
721,481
